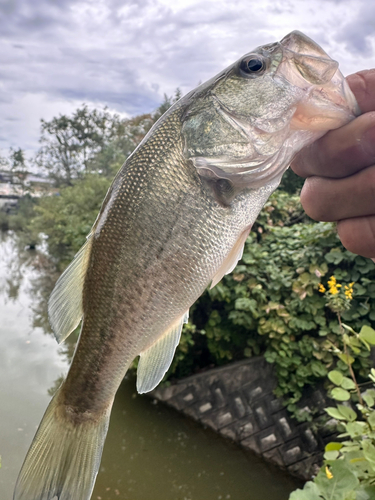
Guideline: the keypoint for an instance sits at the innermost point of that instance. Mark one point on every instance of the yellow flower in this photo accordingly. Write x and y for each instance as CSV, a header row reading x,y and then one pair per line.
x,y
332,281
349,291
321,288
328,473
333,290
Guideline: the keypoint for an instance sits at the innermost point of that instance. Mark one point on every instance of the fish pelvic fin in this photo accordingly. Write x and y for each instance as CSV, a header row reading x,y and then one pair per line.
x,y
63,460
230,262
155,361
65,303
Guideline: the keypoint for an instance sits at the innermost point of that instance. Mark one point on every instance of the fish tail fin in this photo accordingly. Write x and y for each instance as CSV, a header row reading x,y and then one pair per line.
x,y
63,460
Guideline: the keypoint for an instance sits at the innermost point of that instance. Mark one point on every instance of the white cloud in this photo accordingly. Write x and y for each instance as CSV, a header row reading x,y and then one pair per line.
x,y
126,54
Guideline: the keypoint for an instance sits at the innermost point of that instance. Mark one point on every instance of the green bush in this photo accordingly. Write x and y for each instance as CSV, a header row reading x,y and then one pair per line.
x,y
348,472
66,217
270,304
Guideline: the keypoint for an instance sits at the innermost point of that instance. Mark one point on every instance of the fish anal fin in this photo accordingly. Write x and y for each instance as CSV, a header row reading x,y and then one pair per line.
x,y
65,303
156,359
232,258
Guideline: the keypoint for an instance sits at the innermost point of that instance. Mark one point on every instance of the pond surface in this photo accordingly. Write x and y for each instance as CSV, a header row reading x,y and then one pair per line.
x,y
151,452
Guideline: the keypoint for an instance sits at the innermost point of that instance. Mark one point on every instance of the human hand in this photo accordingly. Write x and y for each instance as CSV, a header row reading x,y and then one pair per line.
x,y
340,171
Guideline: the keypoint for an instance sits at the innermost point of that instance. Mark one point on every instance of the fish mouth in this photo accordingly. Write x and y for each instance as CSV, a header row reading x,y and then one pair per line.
x,y
329,101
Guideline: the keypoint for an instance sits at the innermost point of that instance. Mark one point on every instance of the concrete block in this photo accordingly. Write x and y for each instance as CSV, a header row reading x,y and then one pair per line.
x,y
204,407
262,416
286,425
269,438
293,451
309,439
274,457
307,467
228,432
237,401
276,405
251,443
247,428
166,393
223,418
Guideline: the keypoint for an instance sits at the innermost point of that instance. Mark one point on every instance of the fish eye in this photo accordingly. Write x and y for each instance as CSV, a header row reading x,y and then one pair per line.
x,y
252,65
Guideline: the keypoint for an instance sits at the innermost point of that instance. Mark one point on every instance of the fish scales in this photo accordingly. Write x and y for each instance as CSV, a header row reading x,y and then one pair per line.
x,y
176,232
174,220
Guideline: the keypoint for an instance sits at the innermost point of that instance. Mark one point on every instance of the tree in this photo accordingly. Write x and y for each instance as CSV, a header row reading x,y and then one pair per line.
x,y
69,144
127,134
166,104
17,160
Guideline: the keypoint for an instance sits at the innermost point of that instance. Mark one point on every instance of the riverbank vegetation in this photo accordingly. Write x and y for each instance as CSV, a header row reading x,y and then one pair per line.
x,y
270,305
348,472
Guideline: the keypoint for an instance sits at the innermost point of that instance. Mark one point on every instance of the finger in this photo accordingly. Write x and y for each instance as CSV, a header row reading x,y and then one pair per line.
x,y
358,235
363,85
335,199
340,148
340,152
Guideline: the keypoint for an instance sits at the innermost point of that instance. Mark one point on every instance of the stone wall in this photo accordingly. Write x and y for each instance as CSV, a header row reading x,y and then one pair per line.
x,y
238,402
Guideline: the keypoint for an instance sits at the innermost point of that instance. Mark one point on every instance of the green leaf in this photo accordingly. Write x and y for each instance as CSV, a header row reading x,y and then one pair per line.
x,y
331,455
371,392
369,451
347,383
335,376
350,448
248,352
369,400
334,412
309,492
367,334
245,304
333,446
371,419
366,344
340,394
346,358
356,429
340,485
347,413
366,493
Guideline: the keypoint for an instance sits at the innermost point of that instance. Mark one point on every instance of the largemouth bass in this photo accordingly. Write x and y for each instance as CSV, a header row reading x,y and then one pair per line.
x,y
174,221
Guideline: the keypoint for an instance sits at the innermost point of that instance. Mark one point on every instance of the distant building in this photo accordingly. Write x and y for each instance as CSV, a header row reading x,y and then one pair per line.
x,y
15,185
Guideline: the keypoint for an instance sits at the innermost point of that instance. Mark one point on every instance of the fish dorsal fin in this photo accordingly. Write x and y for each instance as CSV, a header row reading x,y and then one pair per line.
x,y
65,303
155,361
232,258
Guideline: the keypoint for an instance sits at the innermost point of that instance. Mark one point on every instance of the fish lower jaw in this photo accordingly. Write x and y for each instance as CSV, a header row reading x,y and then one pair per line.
x,y
315,119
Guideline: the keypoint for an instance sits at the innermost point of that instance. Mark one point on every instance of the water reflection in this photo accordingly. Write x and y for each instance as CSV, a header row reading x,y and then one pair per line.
x,y
151,452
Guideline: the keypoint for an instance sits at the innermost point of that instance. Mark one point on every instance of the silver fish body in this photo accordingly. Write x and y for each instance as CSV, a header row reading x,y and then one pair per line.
x,y
173,222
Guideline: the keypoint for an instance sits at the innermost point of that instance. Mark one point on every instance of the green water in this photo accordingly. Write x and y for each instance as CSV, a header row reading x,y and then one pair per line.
x,y
151,452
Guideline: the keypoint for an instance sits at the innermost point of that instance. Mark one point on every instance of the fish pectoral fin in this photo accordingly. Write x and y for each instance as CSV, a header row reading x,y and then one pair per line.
x,y
232,258
65,303
155,361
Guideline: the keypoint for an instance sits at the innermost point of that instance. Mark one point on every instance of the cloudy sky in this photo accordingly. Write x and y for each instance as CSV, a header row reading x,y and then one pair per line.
x,y
125,54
